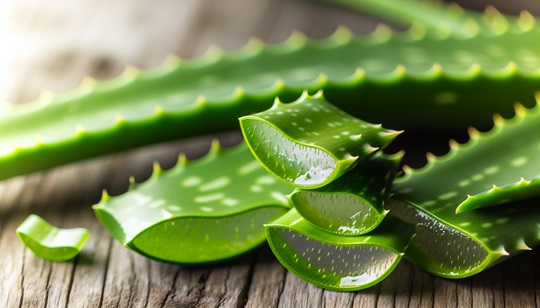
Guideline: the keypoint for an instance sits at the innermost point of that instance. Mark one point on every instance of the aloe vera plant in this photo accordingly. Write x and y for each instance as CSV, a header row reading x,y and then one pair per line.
x,y
202,211
460,74
50,242
361,75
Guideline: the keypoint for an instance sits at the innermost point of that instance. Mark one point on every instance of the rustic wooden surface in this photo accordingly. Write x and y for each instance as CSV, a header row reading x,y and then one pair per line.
x,y
53,45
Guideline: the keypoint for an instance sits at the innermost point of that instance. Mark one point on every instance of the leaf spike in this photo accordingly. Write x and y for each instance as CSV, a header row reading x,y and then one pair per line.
x,y
119,119
322,80
520,110
213,53
436,70
318,94
501,251
521,245
38,140
472,27
526,20
368,149
359,74
496,20
454,145
46,95
279,84
474,134
498,120
475,69
158,110
431,158
494,189
172,60
382,33
131,71
104,196
182,159
455,9
79,130
156,170
88,82
297,39
417,30
131,182
522,181
400,71
278,102
342,34
254,45
215,146
201,101
537,98
239,91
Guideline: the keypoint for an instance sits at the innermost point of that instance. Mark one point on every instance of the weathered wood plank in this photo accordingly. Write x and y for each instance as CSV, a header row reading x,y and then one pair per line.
x,y
60,43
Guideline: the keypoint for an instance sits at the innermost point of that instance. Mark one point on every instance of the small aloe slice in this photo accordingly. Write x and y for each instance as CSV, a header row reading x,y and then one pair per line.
x,y
354,203
49,242
337,262
310,142
203,211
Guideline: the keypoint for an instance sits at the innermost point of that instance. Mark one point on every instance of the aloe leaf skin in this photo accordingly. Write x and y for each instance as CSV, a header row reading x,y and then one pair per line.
x,y
454,245
360,75
49,242
459,245
354,203
441,19
203,211
310,142
493,168
337,262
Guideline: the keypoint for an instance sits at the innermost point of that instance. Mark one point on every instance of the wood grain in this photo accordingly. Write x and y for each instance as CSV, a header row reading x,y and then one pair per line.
x,y
53,45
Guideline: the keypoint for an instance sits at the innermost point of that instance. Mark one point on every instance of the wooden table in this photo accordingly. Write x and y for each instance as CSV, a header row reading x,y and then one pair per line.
x,y
53,45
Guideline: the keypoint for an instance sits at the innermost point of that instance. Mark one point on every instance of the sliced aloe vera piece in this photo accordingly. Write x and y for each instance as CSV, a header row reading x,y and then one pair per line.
x,y
202,211
49,242
310,142
354,203
337,262
454,245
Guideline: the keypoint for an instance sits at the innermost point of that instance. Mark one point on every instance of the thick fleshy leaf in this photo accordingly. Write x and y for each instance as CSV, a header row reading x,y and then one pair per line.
x,y
334,262
310,143
202,211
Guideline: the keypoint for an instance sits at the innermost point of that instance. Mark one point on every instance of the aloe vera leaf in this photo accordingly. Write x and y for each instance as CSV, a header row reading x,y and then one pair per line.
x,y
354,203
49,242
334,262
203,211
454,245
501,166
459,245
310,142
441,19
360,75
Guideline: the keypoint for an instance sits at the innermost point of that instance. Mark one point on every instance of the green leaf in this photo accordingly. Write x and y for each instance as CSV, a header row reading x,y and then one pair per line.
x,y
310,143
459,245
334,262
49,242
354,203
203,211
